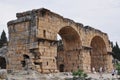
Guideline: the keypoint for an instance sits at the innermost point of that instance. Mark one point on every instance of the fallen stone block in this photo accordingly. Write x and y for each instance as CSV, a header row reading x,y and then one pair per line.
x,y
3,74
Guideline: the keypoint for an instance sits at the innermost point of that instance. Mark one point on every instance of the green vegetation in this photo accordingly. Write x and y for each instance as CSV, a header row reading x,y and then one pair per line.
x,y
3,39
116,51
79,74
118,68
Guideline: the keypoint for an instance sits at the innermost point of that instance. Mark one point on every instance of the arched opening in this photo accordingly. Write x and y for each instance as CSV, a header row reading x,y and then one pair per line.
x,y
2,63
70,38
68,50
25,61
26,56
98,53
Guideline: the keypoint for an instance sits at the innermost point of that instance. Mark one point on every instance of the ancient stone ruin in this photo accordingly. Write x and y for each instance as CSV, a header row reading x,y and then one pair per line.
x,y
33,44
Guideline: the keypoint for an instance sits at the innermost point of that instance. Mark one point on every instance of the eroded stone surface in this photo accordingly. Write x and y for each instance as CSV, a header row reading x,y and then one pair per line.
x,y
3,74
33,44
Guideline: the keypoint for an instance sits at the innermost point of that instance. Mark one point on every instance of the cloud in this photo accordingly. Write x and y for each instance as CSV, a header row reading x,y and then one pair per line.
x,y
100,14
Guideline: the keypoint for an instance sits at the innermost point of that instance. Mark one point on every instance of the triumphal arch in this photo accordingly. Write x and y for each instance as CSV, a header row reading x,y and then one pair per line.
x,y
33,44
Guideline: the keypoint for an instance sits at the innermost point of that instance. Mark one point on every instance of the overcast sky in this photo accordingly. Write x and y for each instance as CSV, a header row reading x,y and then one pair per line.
x,y
100,14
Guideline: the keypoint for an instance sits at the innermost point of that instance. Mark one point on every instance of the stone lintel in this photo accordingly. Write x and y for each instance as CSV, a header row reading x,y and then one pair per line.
x,y
87,47
42,40
77,49
110,52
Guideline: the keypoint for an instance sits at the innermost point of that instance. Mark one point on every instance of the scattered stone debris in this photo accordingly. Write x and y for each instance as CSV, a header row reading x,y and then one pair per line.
x,y
34,75
3,74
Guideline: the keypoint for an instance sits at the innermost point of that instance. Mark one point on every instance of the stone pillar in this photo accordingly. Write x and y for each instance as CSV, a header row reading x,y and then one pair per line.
x,y
86,60
109,63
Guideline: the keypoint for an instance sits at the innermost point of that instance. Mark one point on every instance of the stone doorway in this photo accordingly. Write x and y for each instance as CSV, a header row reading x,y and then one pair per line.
x,y
98,54
2,63
61,67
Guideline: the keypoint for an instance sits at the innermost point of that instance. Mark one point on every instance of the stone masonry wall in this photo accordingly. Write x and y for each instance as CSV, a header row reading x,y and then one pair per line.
x,y
33,37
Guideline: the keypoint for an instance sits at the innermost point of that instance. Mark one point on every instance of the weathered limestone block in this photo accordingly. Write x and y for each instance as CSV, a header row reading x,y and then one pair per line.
x,y
3,74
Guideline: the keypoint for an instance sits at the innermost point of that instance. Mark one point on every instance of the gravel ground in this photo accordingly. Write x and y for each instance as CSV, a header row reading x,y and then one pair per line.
x,y
33,75
105,76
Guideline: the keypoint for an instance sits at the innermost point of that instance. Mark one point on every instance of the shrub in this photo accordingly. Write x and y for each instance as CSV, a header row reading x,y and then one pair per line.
x,y
118,68
79,74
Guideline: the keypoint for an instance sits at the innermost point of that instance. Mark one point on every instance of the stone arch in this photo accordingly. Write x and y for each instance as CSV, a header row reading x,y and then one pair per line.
x,y
71,45
2,62
98,53
70,37
41,29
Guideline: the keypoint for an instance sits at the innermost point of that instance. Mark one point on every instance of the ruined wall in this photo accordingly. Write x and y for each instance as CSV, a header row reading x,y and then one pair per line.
x,y
18,40
34,34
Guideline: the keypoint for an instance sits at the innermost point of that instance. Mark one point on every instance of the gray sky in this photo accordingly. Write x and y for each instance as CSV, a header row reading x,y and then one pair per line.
x,y
100,14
